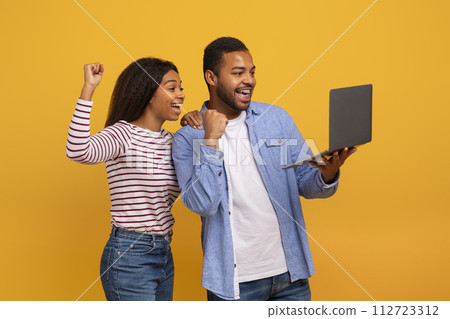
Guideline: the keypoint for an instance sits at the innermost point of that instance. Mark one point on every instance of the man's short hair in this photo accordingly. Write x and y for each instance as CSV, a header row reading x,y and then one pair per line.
x,y
213,55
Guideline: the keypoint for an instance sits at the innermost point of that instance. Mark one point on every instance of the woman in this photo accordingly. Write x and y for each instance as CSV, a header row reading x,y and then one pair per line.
x,y
137,261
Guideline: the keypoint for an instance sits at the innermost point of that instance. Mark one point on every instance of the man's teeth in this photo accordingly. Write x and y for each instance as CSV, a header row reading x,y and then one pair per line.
x,y
244,91
177,105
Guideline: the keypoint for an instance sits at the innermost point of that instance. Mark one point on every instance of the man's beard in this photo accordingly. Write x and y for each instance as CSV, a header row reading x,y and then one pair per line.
x,y
228,98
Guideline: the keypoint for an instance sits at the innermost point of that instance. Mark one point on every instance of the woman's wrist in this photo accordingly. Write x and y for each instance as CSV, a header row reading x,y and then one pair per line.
x,y
87,92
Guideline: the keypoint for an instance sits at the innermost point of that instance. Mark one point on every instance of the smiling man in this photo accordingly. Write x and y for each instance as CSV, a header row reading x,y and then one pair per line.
x,y
254,238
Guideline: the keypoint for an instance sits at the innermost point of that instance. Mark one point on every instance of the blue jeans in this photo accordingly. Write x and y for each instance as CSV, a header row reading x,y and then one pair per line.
x,y
137,266
276,288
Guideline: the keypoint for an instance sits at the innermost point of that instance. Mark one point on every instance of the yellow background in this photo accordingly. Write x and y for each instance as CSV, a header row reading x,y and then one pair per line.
x,y
387,226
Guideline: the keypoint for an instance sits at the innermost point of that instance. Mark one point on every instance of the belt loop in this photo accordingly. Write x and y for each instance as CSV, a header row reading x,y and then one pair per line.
x,y
114,231
168,236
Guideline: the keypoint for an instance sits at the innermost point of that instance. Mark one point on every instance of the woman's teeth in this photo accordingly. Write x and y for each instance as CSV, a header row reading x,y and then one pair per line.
x,y
177,105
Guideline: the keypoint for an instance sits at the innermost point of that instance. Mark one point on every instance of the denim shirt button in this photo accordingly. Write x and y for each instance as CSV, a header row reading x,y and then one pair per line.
x,y
220,173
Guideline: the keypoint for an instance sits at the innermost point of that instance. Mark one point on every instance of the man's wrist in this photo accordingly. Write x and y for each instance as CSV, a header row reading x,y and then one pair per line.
x,y
211,142
329,180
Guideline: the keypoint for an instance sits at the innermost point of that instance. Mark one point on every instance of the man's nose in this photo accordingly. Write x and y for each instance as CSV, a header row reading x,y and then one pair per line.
x,y
249,79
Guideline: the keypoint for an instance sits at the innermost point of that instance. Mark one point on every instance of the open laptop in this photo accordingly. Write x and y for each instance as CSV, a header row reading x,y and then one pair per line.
x,y
350,120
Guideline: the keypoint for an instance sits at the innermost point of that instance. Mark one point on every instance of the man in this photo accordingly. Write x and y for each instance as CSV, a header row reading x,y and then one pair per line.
x,y
254,238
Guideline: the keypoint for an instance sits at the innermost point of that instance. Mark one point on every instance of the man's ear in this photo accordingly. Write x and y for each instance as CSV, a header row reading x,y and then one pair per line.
x,y
211,78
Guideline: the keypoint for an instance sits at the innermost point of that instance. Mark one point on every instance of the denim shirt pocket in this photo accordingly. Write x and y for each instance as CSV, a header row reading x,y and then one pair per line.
x,y
278,151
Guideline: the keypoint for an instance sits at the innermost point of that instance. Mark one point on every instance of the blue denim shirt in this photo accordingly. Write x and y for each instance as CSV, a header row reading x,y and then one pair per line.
x,y
202,178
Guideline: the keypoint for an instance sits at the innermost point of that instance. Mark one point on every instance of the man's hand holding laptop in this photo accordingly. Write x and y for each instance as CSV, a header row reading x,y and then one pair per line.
x,y
331,166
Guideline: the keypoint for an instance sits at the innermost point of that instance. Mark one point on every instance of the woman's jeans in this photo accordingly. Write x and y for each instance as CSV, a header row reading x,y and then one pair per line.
x,y
137,266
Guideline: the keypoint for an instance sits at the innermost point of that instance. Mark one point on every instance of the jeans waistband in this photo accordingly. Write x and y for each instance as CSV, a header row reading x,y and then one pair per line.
x,y
120,232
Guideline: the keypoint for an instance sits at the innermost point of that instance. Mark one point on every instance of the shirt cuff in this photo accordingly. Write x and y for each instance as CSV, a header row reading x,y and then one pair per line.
x,y
84,102
324,185
211,155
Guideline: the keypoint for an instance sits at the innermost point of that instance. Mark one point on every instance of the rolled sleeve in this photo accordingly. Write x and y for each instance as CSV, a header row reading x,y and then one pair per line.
x,y
323,185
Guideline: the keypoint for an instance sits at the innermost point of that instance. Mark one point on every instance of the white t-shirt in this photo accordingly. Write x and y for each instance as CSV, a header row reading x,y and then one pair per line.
x,y
254,224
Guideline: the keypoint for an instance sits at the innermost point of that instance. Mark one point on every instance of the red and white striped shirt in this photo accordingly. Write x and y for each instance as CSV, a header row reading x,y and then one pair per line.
x,y
141,175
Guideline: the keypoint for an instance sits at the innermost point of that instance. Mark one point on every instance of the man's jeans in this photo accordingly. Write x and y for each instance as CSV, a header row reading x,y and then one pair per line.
x,y
137,266
276,288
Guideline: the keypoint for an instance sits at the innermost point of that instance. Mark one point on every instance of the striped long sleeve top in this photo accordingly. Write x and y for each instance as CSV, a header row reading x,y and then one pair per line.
x,y
141,176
